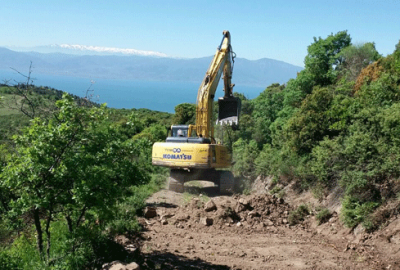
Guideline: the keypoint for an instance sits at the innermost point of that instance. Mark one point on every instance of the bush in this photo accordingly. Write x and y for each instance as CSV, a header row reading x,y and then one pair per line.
x,y
323,215
244,155
7,262
125,213
298,215
354,212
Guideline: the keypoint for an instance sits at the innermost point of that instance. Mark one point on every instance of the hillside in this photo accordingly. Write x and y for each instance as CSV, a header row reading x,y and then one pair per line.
x,y
247,72
332,131
316,163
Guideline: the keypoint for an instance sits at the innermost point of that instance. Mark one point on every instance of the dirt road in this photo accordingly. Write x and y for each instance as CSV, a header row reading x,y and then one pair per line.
x,y
253,232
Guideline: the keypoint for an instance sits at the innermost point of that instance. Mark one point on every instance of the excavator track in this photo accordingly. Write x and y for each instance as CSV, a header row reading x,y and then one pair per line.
x,y
223,179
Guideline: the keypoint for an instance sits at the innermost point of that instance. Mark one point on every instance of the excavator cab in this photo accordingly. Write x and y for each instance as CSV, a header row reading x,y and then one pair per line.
x,y
229,111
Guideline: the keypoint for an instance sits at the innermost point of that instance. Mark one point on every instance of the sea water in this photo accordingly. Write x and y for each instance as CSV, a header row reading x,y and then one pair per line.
x,y
154,95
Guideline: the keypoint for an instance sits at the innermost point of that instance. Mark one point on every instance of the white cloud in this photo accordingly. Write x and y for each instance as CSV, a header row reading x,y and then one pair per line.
x,y
111,50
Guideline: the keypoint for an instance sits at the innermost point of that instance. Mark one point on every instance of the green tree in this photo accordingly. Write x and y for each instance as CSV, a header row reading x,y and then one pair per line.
x,y
310,124
75,167
356,57
185,114
266,108
244,155
324,57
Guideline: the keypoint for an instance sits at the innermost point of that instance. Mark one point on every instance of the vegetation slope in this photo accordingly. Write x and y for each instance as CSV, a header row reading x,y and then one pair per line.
x,y
335,127
78,172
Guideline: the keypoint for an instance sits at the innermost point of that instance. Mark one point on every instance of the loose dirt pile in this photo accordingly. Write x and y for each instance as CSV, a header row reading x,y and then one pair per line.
x,y
254,213
251,232
189,231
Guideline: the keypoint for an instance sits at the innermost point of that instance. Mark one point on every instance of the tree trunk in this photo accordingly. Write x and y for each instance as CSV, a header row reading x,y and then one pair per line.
x,y
47,230
83,211
39,232
69,222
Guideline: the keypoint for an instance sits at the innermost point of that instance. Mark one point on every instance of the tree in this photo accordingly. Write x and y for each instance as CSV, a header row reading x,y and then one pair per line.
x,y
266,108
356,57
73,164
25,100
185,114
323,57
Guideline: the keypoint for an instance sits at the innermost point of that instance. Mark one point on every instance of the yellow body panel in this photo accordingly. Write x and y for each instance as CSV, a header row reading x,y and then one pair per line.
x,y
190,155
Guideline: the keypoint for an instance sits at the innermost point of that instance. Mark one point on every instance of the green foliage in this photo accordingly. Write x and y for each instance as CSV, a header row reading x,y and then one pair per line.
x,y
267,162
324,56
298,215
354,212
278,191
154,133
81,170
310,124
357,57
128,208
324,129
323,215
327,162
185,114
266,108
7,262
244,156
76,165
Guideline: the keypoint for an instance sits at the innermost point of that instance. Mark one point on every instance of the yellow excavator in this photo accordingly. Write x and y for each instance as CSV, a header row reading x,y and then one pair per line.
x,y
191,151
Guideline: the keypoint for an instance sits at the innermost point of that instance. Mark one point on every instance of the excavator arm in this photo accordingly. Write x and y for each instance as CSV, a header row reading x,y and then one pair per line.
x,y
229,106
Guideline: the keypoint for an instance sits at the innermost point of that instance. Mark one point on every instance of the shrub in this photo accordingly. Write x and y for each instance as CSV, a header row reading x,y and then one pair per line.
x,y
323,215
354,212
244,155
7,262
298,215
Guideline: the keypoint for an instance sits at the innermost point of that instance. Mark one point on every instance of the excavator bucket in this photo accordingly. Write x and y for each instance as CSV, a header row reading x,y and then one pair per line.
x,y
229,111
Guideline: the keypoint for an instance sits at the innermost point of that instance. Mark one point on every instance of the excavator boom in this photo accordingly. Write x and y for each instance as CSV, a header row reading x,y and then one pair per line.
x,y
229,106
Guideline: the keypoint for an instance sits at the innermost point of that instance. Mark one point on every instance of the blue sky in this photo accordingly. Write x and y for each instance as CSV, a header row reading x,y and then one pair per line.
x,y
279,30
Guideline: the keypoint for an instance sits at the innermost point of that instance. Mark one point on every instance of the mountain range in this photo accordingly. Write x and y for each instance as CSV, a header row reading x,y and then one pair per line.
x,y
260,73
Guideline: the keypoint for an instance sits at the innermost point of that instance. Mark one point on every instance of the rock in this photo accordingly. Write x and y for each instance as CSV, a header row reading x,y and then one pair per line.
x,y
244,201
132,249
359,230
132,266
285,221
332,219
166,216
206,221
182,217
395,239
122,240
268,222
210,206
150,212
240,208
195,203
253,214
164,222
239,224
116,265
